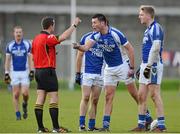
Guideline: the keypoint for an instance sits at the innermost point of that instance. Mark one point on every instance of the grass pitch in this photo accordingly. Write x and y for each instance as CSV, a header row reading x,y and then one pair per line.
x,y
124,115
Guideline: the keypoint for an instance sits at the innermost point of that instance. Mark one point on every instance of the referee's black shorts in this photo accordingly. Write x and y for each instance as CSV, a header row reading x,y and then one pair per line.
x,y
46,79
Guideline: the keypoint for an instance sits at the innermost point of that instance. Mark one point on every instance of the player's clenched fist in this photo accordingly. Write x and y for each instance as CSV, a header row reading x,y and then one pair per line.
x,y
7,78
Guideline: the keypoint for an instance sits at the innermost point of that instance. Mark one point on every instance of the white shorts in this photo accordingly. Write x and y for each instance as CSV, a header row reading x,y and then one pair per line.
x,y
19,77
112,75
156,74
92,79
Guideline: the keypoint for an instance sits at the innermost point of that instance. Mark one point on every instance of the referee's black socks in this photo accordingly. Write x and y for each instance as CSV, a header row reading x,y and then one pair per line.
x,y
53,110
38,109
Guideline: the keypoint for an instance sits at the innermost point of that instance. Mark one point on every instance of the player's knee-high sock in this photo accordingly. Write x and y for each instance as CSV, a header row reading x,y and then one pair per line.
x,y
25,98
148,116
39,115
161,122
81,120
53,110
141,121
106,121
91,124
18,115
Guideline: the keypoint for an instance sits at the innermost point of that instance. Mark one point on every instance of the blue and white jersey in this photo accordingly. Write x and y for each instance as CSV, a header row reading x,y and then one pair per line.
x,y
93,57
153,33
18,52
110,43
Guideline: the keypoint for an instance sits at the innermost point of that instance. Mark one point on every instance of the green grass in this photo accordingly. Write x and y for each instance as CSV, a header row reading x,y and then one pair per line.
x,y
124,116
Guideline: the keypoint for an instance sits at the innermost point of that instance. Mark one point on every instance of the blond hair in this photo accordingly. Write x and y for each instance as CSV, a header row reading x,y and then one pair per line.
x,y
17,27
148,9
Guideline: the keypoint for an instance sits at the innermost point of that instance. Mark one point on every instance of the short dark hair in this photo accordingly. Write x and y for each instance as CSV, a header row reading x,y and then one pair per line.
x,y
148,9
101,17
47,22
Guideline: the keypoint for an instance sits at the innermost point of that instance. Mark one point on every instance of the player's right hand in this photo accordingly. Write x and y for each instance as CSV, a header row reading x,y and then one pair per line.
x,y
7,78
147,72
78,78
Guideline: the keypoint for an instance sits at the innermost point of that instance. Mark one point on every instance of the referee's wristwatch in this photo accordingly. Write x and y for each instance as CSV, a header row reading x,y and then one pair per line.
x,y
74,25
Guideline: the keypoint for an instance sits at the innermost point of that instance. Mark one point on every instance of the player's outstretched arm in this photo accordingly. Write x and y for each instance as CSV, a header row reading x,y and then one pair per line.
x,y
84,47
66,34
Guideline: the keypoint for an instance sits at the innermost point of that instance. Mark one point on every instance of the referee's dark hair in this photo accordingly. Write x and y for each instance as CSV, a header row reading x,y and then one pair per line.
x,y
101,17
47,22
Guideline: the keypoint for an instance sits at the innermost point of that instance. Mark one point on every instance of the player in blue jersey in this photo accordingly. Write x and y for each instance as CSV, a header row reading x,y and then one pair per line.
x,y
18,69
151,68
109,39
132,89
92,81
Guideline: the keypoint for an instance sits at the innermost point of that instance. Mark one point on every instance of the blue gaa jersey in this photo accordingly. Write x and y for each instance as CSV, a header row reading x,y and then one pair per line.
x,y
18,54
110,44
93,57
153,33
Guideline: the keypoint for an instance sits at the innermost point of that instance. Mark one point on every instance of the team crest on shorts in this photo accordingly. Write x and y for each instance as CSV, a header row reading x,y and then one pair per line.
x,y
154,71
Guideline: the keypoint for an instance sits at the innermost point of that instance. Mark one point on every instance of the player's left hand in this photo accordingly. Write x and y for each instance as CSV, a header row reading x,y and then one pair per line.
x,y
31,75
131,72
78,78
147,72
7,78
76,45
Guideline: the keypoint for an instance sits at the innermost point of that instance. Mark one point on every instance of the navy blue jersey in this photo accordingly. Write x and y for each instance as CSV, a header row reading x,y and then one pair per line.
x,y
18,54
153,33
110,44
93,57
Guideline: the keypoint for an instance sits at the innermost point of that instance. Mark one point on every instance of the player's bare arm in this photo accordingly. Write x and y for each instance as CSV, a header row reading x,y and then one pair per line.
x,y
30,61
7,63
84,47
130,51
7,78
79,61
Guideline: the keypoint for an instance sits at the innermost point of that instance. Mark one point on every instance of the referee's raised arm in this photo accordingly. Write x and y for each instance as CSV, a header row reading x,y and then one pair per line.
x,y
69,31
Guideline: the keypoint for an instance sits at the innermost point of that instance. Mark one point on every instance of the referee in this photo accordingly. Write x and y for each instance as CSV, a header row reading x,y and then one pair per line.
x,y
44,56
